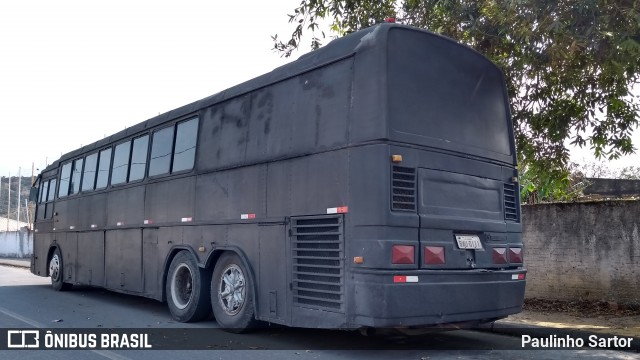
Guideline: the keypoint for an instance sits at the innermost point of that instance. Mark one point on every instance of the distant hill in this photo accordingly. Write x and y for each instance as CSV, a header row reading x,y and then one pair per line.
x,y
24,194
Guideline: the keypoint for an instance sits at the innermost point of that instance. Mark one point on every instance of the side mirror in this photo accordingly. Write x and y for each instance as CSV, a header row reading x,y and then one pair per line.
x,y
33,194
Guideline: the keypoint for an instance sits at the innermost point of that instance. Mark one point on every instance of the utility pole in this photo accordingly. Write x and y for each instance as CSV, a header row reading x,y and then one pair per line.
x,y
19,183
9,206
26,206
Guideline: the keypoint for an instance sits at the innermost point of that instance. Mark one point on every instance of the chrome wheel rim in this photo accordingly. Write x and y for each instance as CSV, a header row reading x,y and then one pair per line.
x,y
54,268
182,286
231,293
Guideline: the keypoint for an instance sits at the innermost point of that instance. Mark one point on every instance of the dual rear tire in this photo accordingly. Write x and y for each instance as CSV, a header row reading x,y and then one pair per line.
x,y
193,292
187,289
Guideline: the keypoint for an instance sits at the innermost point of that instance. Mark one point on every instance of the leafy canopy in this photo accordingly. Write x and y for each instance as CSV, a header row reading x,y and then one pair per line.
x,y
569,65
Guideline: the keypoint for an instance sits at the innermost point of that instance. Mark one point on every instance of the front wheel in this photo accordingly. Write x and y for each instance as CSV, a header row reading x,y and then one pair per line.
x,y
232,295
187,289
56,272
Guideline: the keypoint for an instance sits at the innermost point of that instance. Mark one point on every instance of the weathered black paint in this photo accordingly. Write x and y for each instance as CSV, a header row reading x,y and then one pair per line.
x,y
315,134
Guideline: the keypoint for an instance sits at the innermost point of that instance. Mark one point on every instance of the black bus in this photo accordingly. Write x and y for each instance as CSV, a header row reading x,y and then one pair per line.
x,y
370,183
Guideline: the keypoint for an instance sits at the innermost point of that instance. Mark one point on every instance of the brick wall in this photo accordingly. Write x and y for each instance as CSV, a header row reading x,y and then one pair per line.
x,y
583,250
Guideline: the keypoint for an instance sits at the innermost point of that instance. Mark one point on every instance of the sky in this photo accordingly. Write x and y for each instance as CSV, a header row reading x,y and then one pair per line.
x,y
74,71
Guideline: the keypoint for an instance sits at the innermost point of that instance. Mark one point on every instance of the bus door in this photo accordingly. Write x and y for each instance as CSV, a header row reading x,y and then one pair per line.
x,y
45,224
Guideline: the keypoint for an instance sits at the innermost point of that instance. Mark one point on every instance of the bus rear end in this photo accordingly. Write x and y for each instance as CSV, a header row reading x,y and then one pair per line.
x,y
434,222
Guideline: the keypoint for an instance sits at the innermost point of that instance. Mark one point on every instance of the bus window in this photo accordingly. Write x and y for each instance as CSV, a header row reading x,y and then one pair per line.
x,y
89,176
185,150
139,158
52,190
76,176
48,212
43,192
103,169
120,163
161,152
64,180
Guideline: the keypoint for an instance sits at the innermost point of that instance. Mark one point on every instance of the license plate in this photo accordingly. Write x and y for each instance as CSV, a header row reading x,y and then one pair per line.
x,y
468,242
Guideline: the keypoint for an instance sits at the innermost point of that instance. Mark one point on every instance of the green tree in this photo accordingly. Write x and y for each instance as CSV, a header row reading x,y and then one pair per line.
x,y
569,65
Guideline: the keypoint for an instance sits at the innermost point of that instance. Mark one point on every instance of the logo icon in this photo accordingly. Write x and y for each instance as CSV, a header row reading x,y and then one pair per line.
x,y
23,339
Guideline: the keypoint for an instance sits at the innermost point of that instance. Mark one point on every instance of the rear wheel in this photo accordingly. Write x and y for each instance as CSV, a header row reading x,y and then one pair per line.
x,y
232,295
187,289
56,272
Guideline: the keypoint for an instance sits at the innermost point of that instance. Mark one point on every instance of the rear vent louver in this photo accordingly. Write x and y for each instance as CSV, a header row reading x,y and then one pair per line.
x,y
510,202
403,189
317,244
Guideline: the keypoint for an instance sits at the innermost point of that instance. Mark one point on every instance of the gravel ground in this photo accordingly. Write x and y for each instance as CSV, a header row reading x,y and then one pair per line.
x,y
596,316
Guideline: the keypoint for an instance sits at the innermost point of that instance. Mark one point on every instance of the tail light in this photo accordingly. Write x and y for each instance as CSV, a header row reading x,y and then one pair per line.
x,y
499,255
434,255
515,255
403,254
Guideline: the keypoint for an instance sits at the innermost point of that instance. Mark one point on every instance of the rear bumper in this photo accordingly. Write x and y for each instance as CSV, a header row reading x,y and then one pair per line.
x,y
438,297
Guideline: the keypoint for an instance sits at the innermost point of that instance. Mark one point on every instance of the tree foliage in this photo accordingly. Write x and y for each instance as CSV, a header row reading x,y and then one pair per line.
x,y
570,65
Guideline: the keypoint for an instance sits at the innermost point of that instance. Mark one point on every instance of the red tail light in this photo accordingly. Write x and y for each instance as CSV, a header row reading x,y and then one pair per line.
x,y
499,255
434,255
515,255
402,254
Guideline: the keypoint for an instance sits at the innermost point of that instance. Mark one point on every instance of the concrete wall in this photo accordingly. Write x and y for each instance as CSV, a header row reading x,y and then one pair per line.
x,y
16,244
583,251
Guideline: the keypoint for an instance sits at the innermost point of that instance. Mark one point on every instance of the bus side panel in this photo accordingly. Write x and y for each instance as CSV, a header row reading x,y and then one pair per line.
x,y
66,214
151,263
309,185
41,244
126,207
231,193
123,254
68,243
93,211
273,276
169,201
91,258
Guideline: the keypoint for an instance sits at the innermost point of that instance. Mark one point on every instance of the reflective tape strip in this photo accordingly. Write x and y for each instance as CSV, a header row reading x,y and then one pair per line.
x,y
71,227
187,219
119,223
147,222
247,216
405,279
93,226
338,210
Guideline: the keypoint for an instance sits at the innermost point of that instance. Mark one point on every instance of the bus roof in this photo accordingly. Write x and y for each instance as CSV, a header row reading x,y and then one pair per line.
x,y
335,50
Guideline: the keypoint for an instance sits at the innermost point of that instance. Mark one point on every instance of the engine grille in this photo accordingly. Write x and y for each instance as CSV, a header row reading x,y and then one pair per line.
x,y
318,265
510,202
403,189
